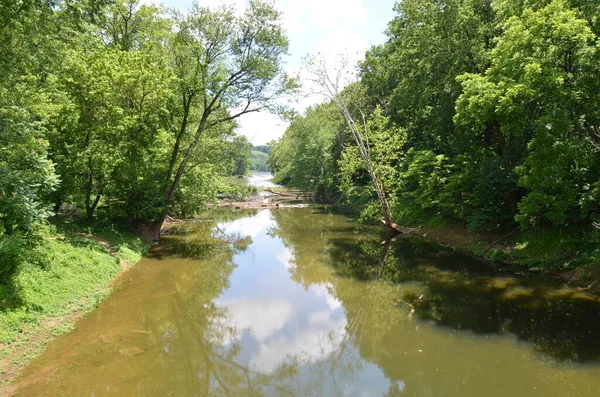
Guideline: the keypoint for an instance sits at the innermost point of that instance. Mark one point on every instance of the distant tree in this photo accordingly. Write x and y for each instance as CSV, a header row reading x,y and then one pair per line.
x,y
237,155
262,148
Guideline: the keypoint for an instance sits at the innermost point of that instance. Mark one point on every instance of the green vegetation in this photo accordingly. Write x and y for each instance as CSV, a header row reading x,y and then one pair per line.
x,y
239,156
258,161
236,189
128,112
474,113
60,279
128,107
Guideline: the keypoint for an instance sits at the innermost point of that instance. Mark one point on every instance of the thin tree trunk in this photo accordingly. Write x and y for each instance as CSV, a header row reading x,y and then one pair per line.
x,y
170,192
364,154
90,208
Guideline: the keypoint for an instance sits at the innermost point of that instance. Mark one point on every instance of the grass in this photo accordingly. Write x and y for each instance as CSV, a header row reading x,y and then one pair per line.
x,y
60,280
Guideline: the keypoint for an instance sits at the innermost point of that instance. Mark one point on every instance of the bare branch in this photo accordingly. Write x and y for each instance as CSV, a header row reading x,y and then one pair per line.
x,y
332,89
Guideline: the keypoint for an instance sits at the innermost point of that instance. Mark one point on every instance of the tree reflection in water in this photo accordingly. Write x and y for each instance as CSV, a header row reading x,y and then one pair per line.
x,y
302,302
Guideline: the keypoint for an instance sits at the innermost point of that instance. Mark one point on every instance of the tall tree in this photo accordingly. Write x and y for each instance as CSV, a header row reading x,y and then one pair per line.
x,y
227,66
540,91
330,83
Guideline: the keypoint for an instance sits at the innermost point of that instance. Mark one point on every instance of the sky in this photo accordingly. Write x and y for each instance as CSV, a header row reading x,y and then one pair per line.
x,y
330,27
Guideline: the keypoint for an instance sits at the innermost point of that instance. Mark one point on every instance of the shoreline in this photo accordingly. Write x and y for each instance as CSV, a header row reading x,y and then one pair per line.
x,y
501,248
32,337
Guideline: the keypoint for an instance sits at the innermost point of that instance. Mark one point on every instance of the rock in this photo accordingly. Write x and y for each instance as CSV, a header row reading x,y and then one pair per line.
x,y
105,339
534,269
131,351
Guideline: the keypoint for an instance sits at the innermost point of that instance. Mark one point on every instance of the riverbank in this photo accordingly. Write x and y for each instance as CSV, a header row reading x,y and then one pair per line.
x,y
62,279
571,256
564,255
319,293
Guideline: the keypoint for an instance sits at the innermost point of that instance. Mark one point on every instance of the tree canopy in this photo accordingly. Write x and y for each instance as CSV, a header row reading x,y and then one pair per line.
x,y
128,110
478,112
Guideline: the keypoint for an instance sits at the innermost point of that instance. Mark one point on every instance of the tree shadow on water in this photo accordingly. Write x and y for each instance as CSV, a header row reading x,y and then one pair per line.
x,y
464,293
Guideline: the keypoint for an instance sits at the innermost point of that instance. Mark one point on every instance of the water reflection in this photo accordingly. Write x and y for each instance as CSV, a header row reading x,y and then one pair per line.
x,y
261,179
284,327
302,302
466,294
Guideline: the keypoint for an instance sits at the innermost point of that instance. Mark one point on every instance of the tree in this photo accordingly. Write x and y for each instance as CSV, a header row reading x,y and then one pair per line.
x,y
26,174
305,156
330,84
237,155
113,119
539,94
227,66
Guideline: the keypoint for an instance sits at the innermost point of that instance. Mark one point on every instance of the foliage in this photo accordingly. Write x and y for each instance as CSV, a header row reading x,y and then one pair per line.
x,y
26,175
305,156
258,161
478,113
131,109
537,93
497,108
126,111
225,67
262,148
238,155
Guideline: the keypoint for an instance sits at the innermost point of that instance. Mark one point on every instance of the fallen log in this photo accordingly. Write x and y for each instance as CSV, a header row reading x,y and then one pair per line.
x,y
399,229
290,194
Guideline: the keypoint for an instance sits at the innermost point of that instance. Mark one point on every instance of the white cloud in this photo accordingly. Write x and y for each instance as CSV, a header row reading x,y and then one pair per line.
x,y
250,226
303,15
261,318
324,291
261,127
287,258
321,338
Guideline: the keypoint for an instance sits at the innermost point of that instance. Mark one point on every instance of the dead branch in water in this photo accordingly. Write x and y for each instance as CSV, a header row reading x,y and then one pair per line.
x,y
446,245
291,194
500,239
589,287
399,229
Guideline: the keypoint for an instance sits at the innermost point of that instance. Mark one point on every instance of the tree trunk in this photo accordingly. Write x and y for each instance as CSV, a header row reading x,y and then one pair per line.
x,y
364,154
155,228
91,208
169,191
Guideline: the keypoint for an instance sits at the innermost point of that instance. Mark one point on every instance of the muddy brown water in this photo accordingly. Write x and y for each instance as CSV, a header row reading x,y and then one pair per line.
x,y
304,302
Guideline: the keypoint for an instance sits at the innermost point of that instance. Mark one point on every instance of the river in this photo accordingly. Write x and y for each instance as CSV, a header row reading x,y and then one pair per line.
x,y
305,302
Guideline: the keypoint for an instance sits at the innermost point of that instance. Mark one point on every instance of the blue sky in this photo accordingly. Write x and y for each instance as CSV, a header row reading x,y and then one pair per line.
x,y
327,26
